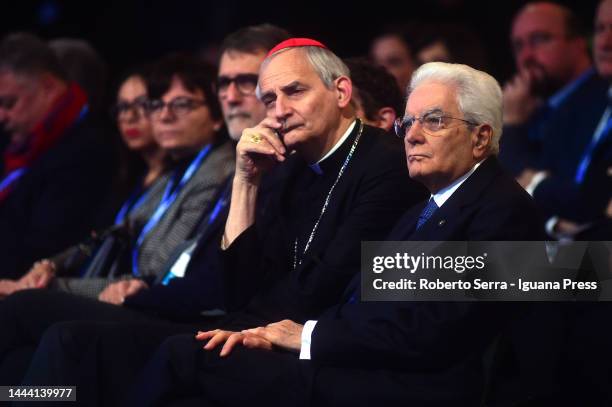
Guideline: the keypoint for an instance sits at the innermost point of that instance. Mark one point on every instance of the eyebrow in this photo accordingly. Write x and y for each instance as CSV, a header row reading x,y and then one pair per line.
x,y
430,111
270,95
238,75
291,86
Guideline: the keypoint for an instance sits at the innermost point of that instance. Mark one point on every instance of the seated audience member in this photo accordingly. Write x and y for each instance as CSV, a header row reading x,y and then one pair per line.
x,y
137,135
396,353
554,76
201,288
588,358
171,299
57,167
84,65
392,51
377,99
444,42
291,258
187,124
575,192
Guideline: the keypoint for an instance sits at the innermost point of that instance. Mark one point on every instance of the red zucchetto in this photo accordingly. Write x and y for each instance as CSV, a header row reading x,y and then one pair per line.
x,y
296,42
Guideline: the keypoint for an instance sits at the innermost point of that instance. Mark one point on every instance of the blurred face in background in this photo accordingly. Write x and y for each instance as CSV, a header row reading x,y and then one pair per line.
x,y
603,39
133,123
23,101
543,48
236,83
182,121
392,52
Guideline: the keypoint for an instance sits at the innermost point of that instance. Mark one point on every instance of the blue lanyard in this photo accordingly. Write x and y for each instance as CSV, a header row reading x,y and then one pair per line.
x,y
221,202
12,177
588,154
135,199
16,174
214,214
170,195
82,113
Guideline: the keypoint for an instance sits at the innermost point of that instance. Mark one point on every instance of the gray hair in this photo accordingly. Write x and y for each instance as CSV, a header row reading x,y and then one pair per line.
x,y
479,95
25,54
325,63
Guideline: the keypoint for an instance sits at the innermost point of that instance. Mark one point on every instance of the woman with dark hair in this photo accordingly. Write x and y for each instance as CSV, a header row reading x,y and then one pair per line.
x,y
139,181
187,123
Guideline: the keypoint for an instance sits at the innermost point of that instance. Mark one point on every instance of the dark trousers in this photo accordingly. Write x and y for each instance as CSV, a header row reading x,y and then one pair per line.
x,y
26,315
102,359
182,373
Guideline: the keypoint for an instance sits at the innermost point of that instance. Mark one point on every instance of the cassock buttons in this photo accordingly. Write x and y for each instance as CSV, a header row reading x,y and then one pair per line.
x,y
442,222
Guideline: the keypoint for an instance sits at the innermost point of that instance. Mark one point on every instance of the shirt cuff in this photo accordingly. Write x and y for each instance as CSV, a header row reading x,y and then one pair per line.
x,y
306,339
550,227
535,181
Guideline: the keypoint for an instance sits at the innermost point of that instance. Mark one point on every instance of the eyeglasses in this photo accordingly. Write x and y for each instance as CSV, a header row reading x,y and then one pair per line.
x,y
123,110
430,122
534,40
7,102
245,83
180,106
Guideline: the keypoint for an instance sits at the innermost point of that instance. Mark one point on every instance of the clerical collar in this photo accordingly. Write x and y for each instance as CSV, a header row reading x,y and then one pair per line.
x,y
316,167
442,195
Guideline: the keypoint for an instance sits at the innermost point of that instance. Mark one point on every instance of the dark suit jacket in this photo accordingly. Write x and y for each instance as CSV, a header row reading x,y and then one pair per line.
x,y
585,202
369,198
428,352
55,202
565,138
562,135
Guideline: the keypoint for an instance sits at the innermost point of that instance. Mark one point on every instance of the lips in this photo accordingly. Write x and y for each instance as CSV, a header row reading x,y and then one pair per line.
x,y
417,157
132,133
284,130
167,134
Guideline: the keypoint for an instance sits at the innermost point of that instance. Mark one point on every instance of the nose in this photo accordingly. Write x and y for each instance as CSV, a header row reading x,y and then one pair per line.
x,y
282,109
525,55
415,134
232,94
132,115
166,114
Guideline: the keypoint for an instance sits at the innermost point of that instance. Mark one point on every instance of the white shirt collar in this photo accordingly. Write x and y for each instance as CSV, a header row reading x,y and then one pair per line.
x,y
442,195
316,167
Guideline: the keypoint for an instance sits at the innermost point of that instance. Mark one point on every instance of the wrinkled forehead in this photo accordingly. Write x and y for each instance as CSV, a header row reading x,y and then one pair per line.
x,y
432,96
539,18
235,63
287,67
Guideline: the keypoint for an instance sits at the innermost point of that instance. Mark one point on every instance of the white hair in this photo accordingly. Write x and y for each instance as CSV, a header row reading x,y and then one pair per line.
x,y
325,63
479,95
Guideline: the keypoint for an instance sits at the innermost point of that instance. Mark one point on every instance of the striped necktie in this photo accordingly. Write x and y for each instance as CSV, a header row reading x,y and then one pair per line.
x,y
427,212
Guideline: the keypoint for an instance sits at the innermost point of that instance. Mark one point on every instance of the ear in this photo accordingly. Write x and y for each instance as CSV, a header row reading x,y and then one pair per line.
x,y
482,139
386,117
344,90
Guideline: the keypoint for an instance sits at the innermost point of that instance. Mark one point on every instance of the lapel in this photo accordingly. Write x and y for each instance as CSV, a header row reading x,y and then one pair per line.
x,y
444,222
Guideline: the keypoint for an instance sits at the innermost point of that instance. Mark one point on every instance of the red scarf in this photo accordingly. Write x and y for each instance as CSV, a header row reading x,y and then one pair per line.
x,y
65,111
